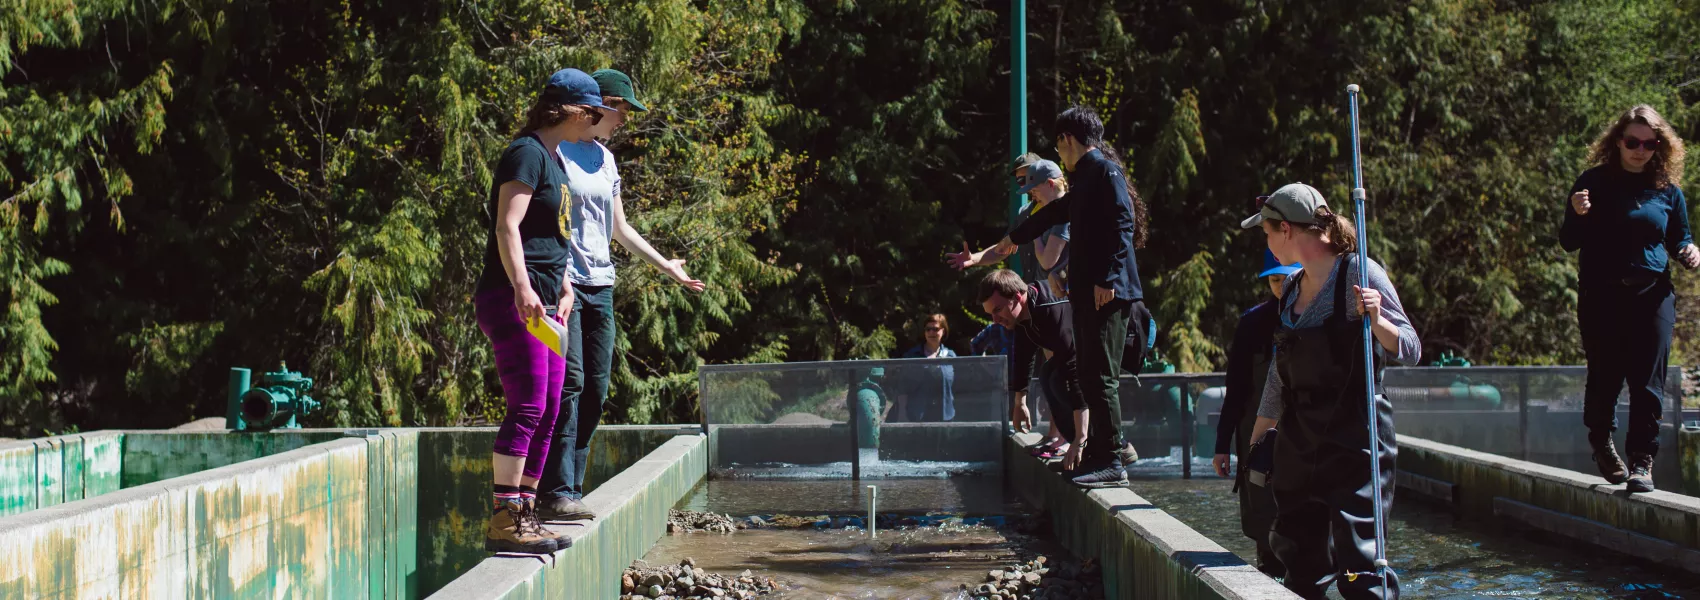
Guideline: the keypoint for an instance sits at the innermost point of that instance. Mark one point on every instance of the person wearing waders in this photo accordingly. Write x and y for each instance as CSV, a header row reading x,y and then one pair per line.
x,y
1248,371
1040,320
1325,529
1103,284
597,215
1628,217
523,282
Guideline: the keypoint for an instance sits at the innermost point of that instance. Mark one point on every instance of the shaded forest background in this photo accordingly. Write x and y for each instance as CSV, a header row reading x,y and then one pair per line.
x,y
191,185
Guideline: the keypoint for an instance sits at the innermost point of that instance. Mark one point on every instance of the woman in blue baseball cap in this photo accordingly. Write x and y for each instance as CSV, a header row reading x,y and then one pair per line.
x,y
523,281
1248,369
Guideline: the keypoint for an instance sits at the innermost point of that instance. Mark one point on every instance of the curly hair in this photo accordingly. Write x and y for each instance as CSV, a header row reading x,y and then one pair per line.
x,y
545,114
1666,166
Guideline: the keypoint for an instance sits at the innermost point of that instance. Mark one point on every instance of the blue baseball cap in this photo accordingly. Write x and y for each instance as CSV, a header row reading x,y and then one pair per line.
x,y
1274,267
572,86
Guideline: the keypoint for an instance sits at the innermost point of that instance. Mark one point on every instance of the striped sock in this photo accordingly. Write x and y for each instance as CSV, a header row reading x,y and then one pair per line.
x,y
528,494
503,494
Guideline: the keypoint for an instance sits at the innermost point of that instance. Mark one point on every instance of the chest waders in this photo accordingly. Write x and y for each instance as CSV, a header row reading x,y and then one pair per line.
x,y
1329,478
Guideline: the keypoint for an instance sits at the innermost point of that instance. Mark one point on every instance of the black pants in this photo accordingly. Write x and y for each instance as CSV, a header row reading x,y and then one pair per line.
x,y
590,360
1061,386
1257,502
1626,333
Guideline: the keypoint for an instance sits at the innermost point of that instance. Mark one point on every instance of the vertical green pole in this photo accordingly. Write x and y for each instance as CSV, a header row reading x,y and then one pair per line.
x,y
239,378
1017,105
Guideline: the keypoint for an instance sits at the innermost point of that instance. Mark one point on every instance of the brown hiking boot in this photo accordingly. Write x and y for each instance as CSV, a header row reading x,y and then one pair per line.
x,y
565,509
514,528
1640,473
1127,455
1605,456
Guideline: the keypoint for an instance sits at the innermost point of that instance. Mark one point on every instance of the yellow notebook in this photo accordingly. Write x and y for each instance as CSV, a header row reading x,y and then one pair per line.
x,y
552,333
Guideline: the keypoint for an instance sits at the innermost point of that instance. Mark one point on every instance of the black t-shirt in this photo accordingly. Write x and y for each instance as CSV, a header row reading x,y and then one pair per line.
x,y
544,231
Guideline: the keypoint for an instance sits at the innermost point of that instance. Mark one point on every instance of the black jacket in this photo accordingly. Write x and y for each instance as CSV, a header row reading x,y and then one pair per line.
x,y
1248,368
1100,217
1049,325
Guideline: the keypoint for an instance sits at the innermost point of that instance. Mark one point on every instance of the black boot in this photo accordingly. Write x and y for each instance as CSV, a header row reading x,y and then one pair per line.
x,y
1605,456
1640,473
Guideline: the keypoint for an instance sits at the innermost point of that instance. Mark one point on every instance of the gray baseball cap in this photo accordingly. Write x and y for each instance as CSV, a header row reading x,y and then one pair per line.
x,y
1293,203
1039,172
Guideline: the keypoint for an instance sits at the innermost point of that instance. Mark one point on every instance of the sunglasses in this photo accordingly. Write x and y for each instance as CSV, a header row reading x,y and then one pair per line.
x,y
934,328
1020,180
1634,143
1263,201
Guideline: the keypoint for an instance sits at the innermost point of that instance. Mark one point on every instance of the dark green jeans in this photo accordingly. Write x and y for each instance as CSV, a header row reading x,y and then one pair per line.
x,y
1100,341
590,360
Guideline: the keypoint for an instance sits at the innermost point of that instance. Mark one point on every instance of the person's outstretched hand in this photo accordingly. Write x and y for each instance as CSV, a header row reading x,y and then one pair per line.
x,y
676,269
964,259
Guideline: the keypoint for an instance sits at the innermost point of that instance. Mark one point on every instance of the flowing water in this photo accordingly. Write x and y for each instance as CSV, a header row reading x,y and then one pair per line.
x,y
911,562
1437,556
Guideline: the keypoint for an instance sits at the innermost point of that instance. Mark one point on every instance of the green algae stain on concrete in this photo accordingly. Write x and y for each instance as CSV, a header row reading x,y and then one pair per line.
x,y
17,478
50,472
150,457
101,468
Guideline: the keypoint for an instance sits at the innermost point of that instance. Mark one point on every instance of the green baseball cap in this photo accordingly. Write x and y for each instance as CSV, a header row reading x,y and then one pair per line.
x,y
618,85
1293,203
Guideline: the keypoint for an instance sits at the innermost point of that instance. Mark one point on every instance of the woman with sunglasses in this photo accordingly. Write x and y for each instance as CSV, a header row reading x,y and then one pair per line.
x,y
523,282
928,395
1628,217
1325,525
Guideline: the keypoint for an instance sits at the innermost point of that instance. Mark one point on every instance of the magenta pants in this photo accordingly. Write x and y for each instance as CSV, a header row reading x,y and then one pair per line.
x,y
531,374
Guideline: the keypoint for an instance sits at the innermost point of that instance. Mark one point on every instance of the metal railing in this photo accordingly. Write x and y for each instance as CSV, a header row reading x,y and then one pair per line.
x,y
1526,412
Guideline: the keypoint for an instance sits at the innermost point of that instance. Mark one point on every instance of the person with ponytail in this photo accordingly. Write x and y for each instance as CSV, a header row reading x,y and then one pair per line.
x,y
1325,522
523,282
1628,218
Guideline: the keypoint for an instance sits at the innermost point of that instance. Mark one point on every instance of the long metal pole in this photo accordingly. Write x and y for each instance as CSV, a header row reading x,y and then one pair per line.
x,y
1017,107
1369,349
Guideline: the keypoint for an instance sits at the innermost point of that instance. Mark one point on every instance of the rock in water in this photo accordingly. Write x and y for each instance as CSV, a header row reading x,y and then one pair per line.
x,y
994,576
1031,578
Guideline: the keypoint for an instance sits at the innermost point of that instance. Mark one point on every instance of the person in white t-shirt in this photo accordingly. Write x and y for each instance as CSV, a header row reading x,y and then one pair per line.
x,y
597,217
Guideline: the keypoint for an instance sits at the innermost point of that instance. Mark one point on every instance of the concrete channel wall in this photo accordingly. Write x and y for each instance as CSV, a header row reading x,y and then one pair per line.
x,y
49,471
454,488
1145,552
330,519
1661,527
632,514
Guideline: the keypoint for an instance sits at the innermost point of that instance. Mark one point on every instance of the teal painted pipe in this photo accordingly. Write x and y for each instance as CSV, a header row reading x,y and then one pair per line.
x,y
239,379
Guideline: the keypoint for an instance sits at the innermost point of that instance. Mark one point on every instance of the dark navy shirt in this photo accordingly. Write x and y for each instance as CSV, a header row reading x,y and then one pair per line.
x,y
1099,212
1632,227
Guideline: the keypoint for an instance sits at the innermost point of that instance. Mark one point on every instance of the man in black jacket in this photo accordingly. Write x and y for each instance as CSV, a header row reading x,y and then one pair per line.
x,y
1038,320
1104,284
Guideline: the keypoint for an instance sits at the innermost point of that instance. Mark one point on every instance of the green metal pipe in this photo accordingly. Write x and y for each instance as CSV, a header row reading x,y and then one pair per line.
x,y
239,381
1017,105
